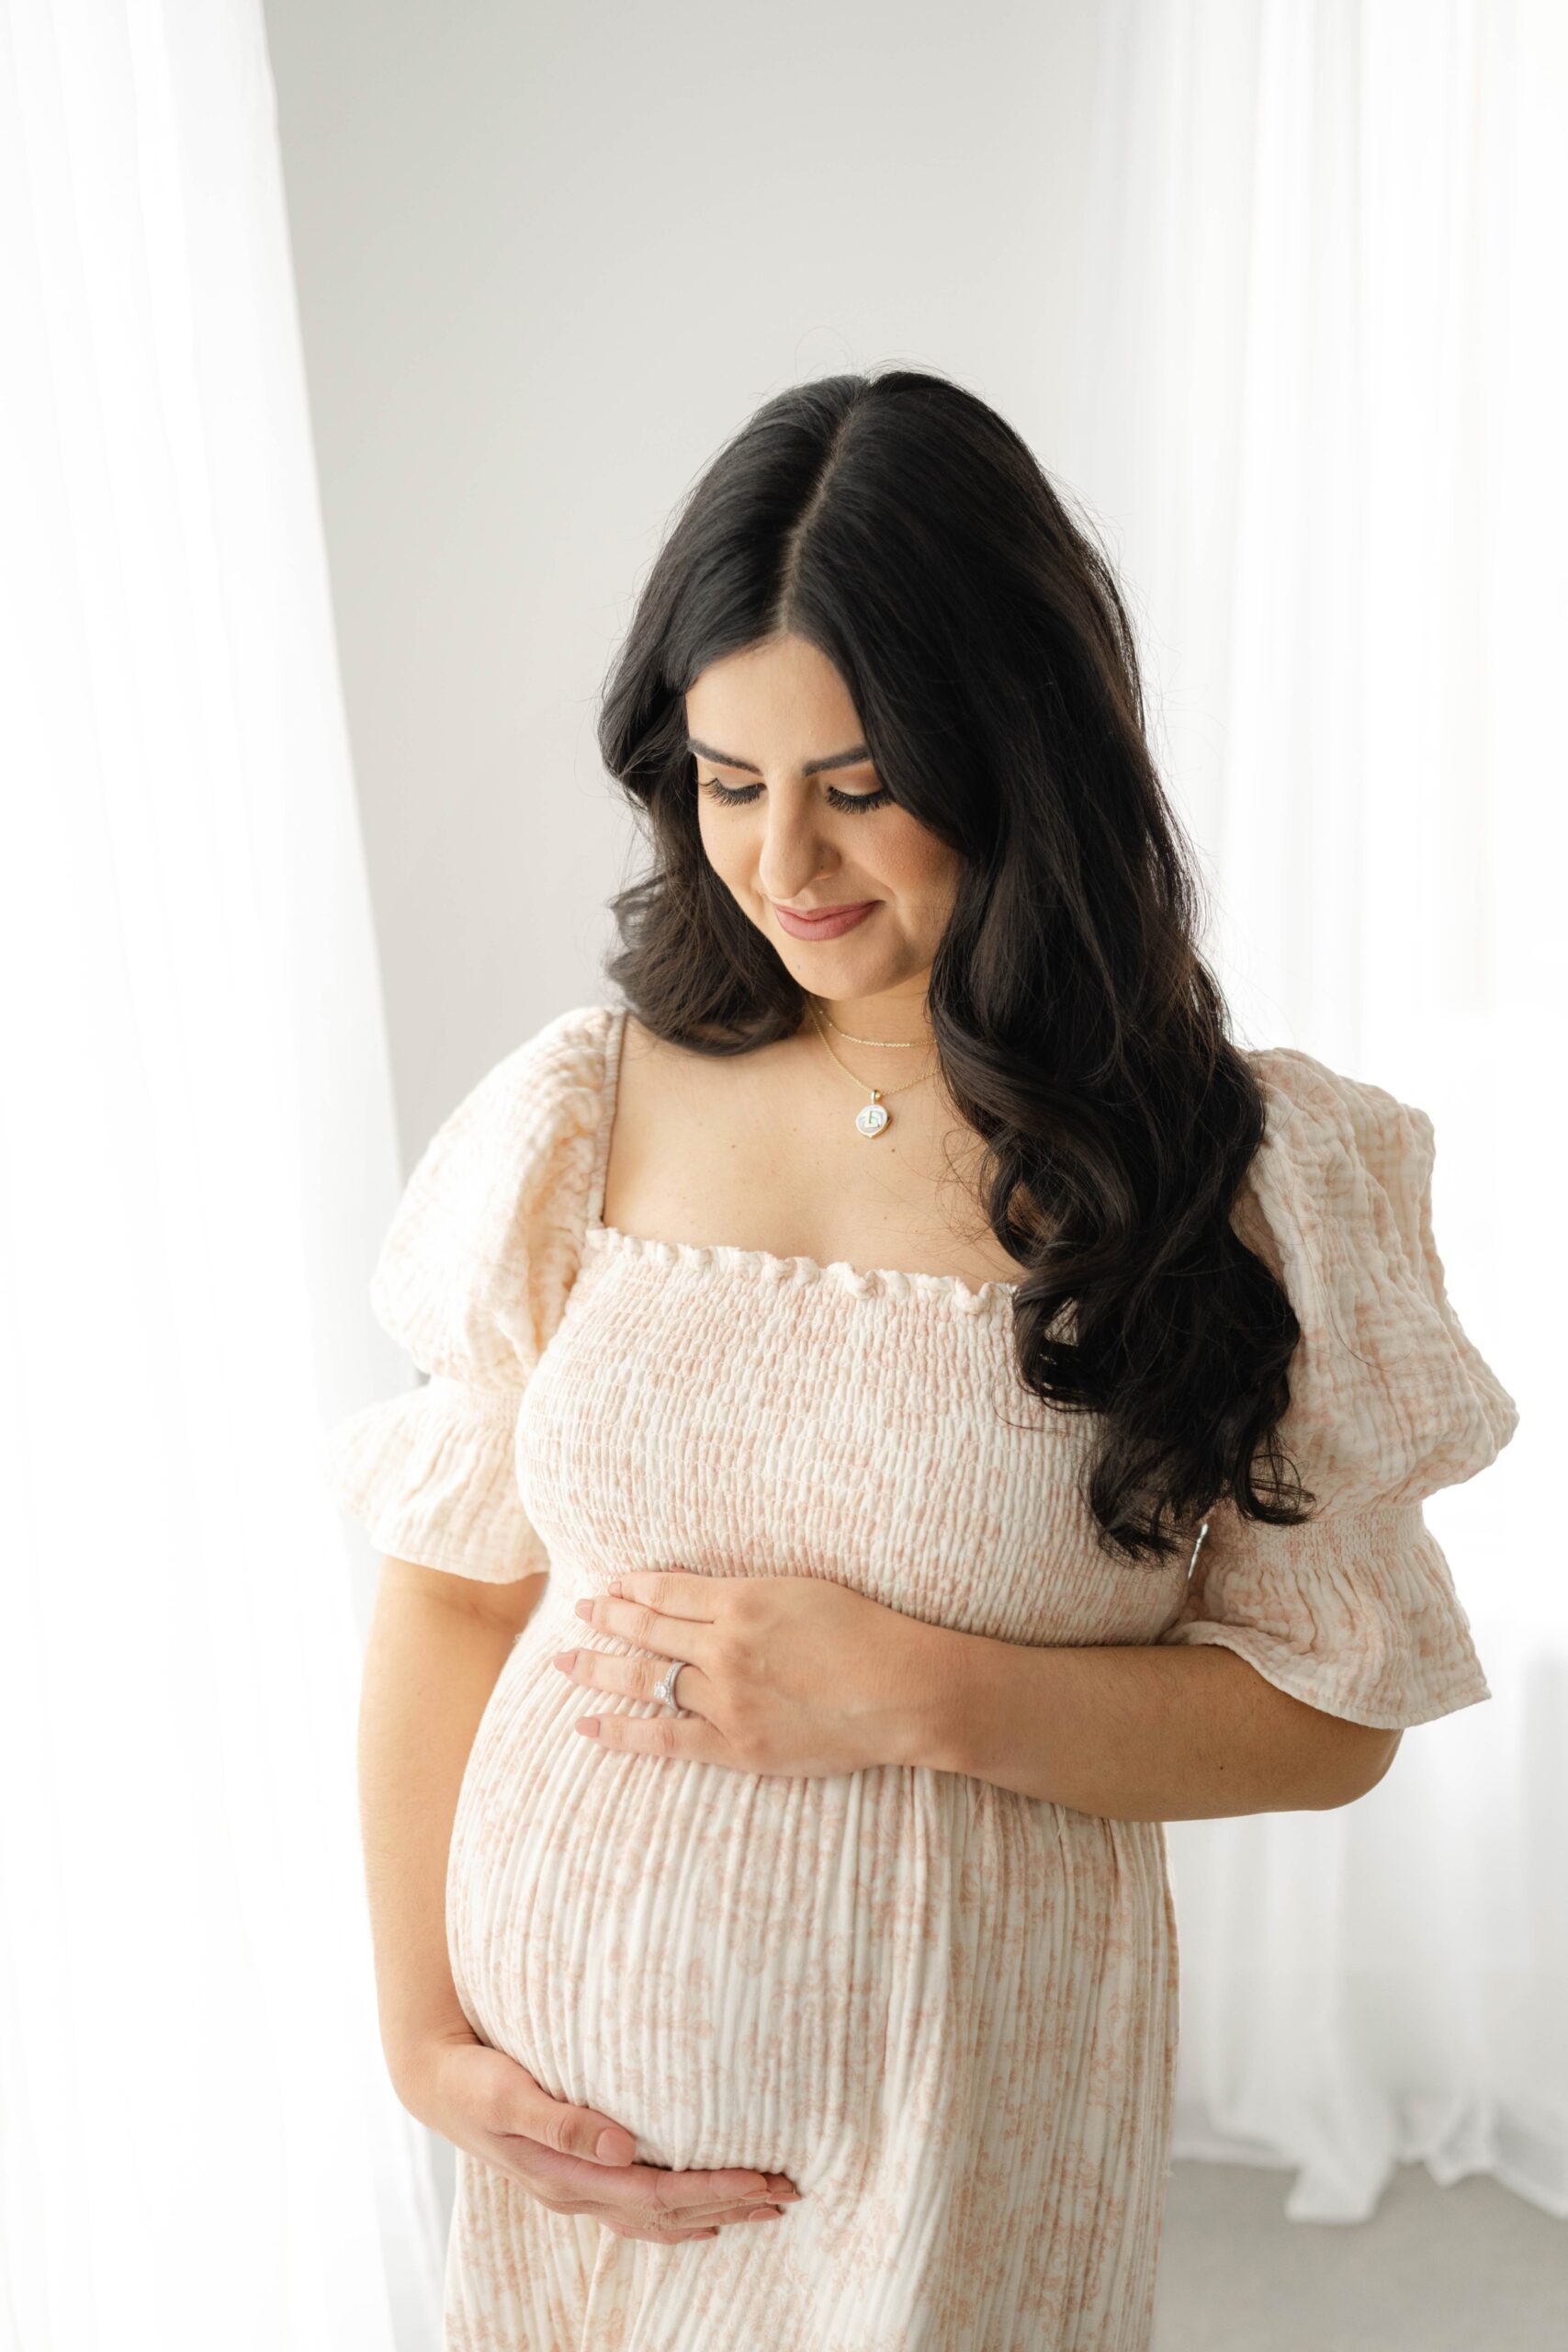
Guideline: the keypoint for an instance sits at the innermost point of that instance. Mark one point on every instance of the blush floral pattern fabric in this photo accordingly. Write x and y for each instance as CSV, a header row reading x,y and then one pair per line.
x,y
947,2011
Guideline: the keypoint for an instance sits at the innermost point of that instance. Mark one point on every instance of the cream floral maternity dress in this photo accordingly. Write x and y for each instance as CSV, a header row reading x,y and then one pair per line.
x,y
947,2011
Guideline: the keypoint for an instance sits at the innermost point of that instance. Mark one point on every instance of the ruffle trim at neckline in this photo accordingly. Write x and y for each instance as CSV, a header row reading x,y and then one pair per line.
x,y
877,1281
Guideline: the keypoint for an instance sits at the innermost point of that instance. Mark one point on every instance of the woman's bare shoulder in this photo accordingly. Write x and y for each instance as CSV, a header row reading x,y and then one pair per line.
x,y
685,1141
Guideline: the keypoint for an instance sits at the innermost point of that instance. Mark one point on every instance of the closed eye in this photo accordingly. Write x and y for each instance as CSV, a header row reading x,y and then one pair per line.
x,y
731,796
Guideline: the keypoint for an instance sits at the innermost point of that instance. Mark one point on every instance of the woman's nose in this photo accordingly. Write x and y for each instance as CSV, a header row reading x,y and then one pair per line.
x,y
793,854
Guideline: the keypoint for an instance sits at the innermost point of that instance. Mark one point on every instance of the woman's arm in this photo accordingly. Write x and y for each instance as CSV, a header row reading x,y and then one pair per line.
x,y
1137,1733
436,1646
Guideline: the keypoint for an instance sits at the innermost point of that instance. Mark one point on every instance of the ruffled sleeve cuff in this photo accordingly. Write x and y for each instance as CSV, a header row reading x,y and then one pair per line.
x,y
471,1281
1354,1612
431,1475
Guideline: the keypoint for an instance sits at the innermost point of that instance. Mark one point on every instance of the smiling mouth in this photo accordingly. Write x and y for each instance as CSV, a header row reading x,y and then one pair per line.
x,y
821,914
823,923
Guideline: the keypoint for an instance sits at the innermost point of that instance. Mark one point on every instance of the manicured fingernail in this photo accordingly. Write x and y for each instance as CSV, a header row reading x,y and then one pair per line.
x,y
764,2213
565,1659
590,1726
614,1585
585,1608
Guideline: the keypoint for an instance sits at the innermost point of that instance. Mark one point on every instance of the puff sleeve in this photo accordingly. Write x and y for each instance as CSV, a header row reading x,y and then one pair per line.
x,y
472,1279
1356,1612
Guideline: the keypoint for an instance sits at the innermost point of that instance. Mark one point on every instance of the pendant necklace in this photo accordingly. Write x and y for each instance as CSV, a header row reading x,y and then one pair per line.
x,y
872,1117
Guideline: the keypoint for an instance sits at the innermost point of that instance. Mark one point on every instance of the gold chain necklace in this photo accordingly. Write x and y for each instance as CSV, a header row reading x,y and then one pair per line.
x,y
873,1116
893,1044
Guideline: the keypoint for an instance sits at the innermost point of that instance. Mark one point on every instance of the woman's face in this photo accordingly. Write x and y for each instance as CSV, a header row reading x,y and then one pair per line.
x,y
794,817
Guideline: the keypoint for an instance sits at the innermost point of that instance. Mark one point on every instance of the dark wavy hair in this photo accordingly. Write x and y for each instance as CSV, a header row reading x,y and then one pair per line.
x,y
896,522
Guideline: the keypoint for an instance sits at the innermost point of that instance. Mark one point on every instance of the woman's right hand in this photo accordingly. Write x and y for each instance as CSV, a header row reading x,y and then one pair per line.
x,y
572,2158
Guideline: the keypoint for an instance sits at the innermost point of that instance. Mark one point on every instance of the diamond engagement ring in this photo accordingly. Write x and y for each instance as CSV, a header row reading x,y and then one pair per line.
x,y
664,1688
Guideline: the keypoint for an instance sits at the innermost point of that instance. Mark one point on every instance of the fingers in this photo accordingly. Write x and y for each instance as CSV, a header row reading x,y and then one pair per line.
x,y
677,2192
726,2208
683,2218
645,2200
698,2224
527,2109
633,1676
578,2159
649,2197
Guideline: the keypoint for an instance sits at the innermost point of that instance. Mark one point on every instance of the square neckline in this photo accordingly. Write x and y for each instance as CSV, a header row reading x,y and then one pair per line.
x,y
897,1281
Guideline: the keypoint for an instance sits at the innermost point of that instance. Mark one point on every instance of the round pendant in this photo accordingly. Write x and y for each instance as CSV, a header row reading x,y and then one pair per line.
x,y
872,1119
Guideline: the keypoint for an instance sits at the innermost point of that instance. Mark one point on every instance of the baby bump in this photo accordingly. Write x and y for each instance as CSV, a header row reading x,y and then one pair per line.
x,y
749,1969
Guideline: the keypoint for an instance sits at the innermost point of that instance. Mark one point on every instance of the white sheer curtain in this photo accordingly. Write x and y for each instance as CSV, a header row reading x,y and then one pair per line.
x,y
198,2146
1320,354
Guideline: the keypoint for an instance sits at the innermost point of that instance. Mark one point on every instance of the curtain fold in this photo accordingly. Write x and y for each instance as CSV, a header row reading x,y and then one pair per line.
x,y
1314,413
199,2143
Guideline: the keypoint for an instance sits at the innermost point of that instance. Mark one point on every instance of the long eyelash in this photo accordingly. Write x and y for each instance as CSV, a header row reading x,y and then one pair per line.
x,y
731,796
722,792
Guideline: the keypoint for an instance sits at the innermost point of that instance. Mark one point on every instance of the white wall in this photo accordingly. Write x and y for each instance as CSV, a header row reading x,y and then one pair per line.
x,y
548,256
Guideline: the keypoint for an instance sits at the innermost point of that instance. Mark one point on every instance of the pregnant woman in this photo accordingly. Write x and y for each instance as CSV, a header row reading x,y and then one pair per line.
x,y
913,1406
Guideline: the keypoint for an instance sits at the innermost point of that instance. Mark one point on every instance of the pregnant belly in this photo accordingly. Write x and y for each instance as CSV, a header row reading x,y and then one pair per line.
x,y
744,1969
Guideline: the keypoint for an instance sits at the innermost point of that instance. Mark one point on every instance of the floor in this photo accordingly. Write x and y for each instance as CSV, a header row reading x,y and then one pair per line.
x,y
1468,2269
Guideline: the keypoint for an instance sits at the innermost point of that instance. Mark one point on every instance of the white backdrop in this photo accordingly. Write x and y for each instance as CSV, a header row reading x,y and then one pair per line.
x,y
1294,344
1317,415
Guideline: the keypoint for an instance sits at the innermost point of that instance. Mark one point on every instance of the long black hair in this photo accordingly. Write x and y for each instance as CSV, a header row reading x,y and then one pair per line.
x,y
903,528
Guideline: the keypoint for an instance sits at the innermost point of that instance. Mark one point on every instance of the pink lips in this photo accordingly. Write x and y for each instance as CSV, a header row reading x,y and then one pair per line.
x,y
831,924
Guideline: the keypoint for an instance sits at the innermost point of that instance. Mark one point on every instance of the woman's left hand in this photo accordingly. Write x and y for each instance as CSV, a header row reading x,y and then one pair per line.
x,y
793,1675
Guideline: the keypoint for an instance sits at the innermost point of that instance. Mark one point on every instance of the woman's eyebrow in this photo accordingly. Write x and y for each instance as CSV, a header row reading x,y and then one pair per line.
x,y
849,759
